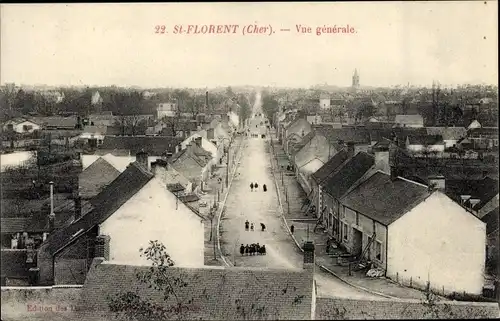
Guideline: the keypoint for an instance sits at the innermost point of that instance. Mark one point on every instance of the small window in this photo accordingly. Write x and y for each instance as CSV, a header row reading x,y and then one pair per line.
x,y
345,231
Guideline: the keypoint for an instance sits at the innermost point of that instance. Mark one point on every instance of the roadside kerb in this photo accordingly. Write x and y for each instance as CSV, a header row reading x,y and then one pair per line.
x,y
221,207
324,268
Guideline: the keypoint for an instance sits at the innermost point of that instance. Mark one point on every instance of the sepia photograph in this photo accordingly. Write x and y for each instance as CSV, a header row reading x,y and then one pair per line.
x,y
249,161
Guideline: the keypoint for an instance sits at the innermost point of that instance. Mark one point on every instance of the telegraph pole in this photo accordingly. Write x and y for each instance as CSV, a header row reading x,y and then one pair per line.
x,y
227,166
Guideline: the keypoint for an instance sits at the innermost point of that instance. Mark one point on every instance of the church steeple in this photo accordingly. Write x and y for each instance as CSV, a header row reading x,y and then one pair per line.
x,y
355,79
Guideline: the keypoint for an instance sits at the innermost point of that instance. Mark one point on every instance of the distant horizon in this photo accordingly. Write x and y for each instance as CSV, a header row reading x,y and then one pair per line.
x,y
247,85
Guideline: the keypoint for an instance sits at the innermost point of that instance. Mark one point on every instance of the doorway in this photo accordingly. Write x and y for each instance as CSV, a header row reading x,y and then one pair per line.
x,y
357,242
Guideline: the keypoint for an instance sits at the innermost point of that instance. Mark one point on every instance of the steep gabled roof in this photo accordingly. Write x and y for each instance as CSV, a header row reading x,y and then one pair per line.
x,y
215,293
330,167
345,177
303,142
448,133
126,185
153,145
345,134
96,176
425,140
491,220
385,200
409,119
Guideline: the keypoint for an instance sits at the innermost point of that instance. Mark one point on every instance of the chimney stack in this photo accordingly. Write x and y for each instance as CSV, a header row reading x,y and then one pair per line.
x,y
52,215
78,207
142,159
102,246
350,149
308,255
197,140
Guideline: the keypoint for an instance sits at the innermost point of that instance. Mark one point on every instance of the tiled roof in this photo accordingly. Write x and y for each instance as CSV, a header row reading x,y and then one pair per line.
x,y
214,293
380,134
14,224
57,121
95,177
188,153
345,177
189,198
448,133
409,119
330,167
176,187
95,130
425,140
402,132
484,189
483,131
126,185
491,220
153,145
303,142
385,200
13,263
345,134
384,309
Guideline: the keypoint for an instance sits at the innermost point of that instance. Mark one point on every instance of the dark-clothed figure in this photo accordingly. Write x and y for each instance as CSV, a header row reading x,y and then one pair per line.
x,y
250,249
256,185
263,227
251,226
246,225
263,250
257,248
251,187
247,249
242,249
264,187
292,228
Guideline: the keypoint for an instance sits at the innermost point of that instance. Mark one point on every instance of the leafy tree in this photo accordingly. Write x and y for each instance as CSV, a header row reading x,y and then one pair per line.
x,y
131,306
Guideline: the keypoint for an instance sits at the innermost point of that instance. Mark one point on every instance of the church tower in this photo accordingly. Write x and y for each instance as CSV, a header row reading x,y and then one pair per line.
x,y
355,79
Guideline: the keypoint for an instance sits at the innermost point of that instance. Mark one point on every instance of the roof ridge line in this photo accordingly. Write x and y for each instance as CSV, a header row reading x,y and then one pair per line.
x,y
410,181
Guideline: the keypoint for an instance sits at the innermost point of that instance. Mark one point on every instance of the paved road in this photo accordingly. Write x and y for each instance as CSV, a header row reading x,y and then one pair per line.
x,y
259,206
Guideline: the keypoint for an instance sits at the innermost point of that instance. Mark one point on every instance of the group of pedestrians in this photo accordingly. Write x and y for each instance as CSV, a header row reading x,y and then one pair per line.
x,y
252,249
248,224
255,185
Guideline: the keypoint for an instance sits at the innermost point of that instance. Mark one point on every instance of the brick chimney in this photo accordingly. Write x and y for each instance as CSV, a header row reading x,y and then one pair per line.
x,y
437,182
210,133
102,246
142,158
308,255
350,149
197,141
78,207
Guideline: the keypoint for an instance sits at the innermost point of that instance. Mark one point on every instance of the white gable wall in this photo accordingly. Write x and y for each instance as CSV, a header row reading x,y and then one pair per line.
x,y
441,242
151,215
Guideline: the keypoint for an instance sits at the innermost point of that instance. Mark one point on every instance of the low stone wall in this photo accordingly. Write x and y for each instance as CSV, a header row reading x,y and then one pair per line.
x,y
40,303
346,309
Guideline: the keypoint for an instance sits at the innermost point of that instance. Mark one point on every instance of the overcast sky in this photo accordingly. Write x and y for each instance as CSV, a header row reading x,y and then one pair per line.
x,y
105,44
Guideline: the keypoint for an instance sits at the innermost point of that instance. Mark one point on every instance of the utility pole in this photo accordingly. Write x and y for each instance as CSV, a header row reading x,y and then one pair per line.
x,y
227,166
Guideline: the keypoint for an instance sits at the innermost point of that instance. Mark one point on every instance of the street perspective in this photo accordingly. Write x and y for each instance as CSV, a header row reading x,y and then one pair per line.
x,y
249,161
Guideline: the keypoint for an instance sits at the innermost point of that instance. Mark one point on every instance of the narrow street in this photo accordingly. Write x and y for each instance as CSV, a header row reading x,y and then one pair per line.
x,y
263,207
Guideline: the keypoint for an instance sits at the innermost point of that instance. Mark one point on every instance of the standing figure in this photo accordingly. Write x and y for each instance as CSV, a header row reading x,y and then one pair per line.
x,y
256,185
250,249
263,227
292,228
263,250
264,187
246,225
257,248
247,249
242,249
251,187
251,227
